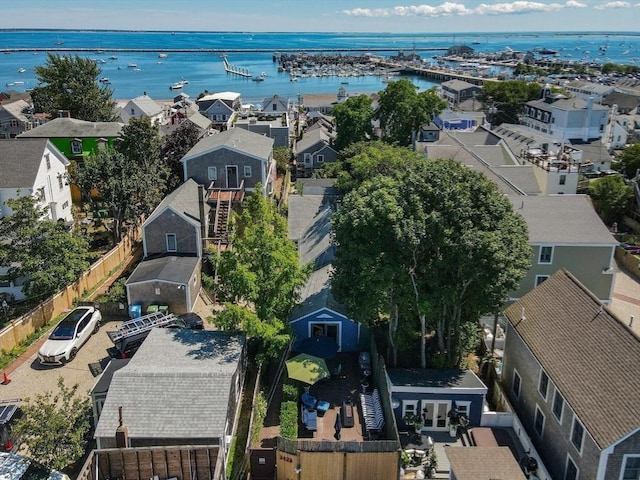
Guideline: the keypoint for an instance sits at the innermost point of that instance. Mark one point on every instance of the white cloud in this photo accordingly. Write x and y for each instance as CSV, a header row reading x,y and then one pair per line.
x,y
613,5
457,9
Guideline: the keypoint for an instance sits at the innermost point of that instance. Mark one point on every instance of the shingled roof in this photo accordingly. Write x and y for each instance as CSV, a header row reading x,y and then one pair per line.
x,y
21,159
238,139
587,353
64,127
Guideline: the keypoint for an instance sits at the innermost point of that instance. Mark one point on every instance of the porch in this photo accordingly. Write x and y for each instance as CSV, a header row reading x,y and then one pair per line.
x,y
222,201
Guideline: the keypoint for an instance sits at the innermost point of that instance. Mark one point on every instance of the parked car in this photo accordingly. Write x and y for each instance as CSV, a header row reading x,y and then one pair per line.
x,y
9,413
69,335
190,320
17,467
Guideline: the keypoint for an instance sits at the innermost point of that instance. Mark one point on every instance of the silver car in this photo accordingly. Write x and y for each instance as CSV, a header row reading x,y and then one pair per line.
x,y
69,335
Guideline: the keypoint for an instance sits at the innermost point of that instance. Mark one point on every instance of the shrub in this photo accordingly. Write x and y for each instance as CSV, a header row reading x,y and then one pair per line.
x,y
289,393
289,420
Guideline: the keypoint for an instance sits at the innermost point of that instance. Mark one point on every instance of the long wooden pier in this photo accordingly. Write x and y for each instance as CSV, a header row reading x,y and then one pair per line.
x,y
240,71
437,74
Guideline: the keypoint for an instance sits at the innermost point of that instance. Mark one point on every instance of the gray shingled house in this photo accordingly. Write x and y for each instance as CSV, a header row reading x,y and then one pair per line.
x,y
314,150
182,387
571,371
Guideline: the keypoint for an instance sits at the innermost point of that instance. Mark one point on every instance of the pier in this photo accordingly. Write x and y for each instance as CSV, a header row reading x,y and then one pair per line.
x,y
60,49
436,74
240,71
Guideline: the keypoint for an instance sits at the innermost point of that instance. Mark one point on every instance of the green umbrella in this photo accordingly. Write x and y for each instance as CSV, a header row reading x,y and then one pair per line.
x,y
307,368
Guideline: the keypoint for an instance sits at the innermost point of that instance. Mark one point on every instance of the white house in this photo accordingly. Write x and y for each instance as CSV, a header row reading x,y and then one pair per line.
x,y
142,106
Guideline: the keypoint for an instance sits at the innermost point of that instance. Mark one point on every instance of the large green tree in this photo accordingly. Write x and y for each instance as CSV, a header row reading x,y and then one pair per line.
x,y
261,272
449,248
131,178
353,119
40,250
54,426
174,147
70,83
402,110
630,160
611,196
505,100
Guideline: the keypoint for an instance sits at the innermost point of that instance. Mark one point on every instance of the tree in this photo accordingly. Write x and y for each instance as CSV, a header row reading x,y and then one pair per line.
x,y
262,271
54,426
630,161
70,83
508,99
131,177
611,197
402,110
353,119
449,247
39,249
175,147
282,156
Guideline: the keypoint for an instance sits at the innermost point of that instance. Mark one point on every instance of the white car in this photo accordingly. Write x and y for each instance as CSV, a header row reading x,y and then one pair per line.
x,y
69,335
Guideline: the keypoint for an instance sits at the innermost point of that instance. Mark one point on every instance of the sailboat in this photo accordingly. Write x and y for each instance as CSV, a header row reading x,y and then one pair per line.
x,y
59,41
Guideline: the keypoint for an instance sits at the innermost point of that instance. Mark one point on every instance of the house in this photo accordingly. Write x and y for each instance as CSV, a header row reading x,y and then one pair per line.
x,y
32,167
432,394
276,127
318,313
566,232
564,118
182,387
172,237
17,117
140,107
458,120
570,370
182,116
314,150
584,89
276,105
221,108
233,160
625,103
99,391
458,91
428,133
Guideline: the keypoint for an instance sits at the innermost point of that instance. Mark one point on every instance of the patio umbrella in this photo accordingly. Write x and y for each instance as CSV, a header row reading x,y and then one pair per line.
x,y
337,426
319,346
307,368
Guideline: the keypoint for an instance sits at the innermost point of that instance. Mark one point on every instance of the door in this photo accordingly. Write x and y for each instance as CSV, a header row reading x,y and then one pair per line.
x,y
434,414
232,176
331,330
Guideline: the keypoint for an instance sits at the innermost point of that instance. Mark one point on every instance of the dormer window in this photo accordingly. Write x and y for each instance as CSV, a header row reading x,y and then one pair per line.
x,y
102,143
47,159
76,146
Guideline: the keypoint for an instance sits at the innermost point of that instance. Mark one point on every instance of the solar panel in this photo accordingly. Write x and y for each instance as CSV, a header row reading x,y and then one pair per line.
x,y
7,410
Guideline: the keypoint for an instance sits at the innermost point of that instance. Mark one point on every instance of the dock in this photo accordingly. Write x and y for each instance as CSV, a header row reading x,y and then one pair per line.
x,y
240,71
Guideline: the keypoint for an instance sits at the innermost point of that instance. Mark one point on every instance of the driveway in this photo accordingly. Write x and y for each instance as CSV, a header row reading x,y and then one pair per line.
x,y
28,378
626,299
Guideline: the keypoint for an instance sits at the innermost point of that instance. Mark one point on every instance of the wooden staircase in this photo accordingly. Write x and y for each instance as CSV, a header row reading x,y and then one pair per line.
x,y
221,222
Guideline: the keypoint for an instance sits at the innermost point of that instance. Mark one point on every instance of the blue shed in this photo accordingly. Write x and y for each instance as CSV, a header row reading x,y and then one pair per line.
x,y
434,394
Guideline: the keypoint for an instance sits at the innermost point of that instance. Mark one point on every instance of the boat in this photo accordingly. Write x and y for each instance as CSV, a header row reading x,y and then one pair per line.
x,y
22,70
113,57
59,42
101,61
344,83
9,84
18,82
159,62
132,65
176,86
105,80
163,55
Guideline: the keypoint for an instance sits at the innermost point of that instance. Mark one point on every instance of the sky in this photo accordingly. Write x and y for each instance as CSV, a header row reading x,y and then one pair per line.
x,y
438,16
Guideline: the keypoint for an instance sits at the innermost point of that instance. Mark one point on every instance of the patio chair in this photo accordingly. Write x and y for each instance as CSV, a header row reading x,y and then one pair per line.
x,y
310,419
322,406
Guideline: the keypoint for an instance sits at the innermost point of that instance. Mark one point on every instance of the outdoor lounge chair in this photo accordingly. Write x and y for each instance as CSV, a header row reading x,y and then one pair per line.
x,y
310,419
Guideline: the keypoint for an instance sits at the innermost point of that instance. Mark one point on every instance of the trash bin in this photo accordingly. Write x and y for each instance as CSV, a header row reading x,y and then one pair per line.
x,y
163,309
135,311
152,308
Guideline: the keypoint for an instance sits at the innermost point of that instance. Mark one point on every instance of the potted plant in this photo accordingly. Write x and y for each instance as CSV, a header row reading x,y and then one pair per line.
x,y
411,419
433,465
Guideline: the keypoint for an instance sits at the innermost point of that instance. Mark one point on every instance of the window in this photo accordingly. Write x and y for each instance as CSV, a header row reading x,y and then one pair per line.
x,y
40,194
543,384
212,173
558,405
540,279
320,158
275,107
47,159
538,424
133,112
563,179
247,171
577,434
76,146
5,281
631,468
172,242
13,122
60,182
546,254
307,159
409,407
571,472
65,205
516,384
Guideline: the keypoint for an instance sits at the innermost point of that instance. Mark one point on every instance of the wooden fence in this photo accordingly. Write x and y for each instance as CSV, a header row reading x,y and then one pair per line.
x,y
18,330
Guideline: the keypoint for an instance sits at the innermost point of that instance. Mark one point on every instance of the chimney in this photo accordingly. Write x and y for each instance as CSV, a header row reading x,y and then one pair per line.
x,y
64,113
122,434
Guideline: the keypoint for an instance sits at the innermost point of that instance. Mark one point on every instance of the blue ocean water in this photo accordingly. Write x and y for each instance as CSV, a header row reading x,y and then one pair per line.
x,y
254,51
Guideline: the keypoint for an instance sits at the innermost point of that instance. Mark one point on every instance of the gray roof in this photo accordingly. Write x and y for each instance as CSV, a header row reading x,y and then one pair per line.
x,y
312,138
483,463
316,294
566,104
21,159
147,105
318,186
65,127
166,269
178,385
102,385
432,378
16,109
183,199
589,355
459,85
238,139
562,219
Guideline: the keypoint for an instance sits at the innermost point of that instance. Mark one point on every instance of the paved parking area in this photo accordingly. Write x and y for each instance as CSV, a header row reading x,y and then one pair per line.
x,y
29,378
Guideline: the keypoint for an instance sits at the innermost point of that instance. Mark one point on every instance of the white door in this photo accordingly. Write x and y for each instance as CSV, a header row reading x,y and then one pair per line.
x,y
434,414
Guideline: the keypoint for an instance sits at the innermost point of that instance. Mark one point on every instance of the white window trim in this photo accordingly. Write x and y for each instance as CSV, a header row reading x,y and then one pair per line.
x,y
553,405
175,238
320,158
566,464
544,420
575,419
76,147
307,159
513,383
540,255
406,403
538,277
546,394
624,462
213,170
247,168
